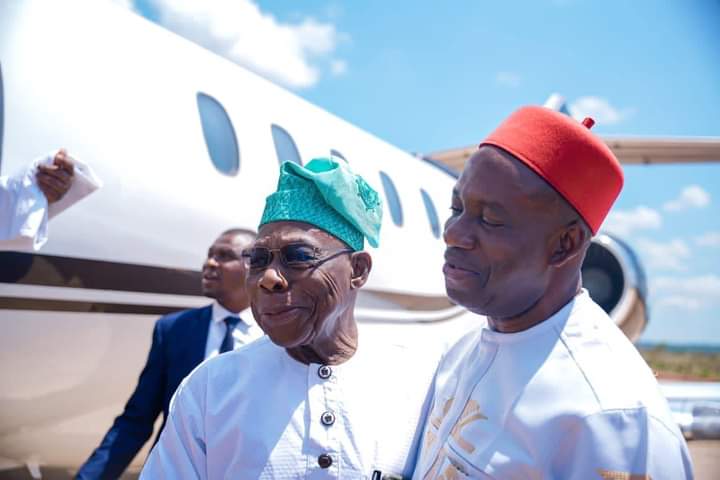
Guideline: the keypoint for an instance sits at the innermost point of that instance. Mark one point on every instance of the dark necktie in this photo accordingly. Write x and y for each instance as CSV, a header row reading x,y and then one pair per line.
x,y
228,343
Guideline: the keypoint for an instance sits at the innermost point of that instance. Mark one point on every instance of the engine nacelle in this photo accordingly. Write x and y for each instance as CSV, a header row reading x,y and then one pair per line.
x,y
616,281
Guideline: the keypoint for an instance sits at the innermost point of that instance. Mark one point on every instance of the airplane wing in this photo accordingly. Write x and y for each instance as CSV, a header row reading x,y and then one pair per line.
x,y
629,150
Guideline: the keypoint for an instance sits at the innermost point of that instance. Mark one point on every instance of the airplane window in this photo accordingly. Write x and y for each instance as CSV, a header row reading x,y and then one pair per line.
x,y
335,153
285,147
219,135
431,213
393,199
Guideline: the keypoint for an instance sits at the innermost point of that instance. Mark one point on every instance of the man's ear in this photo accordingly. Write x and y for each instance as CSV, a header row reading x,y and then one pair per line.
x,y
361,266
568,243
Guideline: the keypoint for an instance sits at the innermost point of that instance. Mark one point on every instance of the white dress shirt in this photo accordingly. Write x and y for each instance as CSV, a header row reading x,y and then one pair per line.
x,y
258,413
244,332
570,398
24,210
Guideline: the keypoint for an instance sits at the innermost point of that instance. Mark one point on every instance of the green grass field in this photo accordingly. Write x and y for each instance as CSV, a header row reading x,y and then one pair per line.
x,y
688,365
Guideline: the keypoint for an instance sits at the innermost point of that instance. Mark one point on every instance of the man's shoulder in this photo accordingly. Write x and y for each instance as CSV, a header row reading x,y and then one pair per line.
x,y
191,314
609,364
243,365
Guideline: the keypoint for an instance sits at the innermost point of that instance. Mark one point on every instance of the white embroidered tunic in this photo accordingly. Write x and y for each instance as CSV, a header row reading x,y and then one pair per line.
x,y
570,398
258,413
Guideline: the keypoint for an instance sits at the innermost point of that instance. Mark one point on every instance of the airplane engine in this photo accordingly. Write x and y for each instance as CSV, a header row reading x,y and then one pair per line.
x,y
615,279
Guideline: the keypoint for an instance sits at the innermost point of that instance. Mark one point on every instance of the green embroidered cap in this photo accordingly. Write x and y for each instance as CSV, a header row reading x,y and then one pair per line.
x,y
327,194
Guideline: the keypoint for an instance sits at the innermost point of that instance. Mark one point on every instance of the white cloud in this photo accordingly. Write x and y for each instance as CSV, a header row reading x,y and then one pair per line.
x,y
624,222
664,256
692,196
599,109
338,67
689,293
709,239
508,79
238,30
704,286
679,302
125,3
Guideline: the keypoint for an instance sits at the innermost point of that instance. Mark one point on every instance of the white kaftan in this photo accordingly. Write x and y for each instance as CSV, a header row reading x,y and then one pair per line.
x,y
570,398
257,413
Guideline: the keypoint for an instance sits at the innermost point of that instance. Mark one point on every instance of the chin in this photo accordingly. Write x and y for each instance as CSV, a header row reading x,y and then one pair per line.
x,y
209,292
467,299
289,339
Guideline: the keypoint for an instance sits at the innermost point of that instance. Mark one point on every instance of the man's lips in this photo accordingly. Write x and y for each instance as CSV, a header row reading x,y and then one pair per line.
x,y
210,276
279,316
275,311
453,264
452,270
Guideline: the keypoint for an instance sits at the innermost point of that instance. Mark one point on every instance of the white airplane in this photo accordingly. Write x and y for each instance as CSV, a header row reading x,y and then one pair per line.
x,y
187,144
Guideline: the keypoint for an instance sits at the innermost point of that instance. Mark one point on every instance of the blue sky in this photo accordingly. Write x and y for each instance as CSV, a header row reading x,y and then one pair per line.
x,y
427,77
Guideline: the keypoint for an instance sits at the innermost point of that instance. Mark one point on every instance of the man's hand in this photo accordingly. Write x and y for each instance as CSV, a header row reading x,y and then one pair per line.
x,y
55,180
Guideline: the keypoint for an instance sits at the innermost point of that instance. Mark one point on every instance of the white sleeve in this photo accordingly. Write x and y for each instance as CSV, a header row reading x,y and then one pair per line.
x,y
23,212
623,444
181,450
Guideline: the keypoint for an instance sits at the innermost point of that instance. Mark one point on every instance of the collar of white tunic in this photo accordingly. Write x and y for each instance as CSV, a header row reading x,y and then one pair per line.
x,y
556,321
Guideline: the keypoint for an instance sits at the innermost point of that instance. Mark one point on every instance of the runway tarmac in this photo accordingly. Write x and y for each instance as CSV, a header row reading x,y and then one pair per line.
x,y
706,458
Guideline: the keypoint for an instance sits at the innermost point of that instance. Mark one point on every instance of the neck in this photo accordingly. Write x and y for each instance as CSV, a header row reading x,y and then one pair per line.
x,y
233,305
331,348
554,298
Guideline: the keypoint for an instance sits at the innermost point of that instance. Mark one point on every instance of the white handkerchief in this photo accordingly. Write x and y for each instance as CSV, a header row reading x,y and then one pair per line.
x,y
84,183
24,210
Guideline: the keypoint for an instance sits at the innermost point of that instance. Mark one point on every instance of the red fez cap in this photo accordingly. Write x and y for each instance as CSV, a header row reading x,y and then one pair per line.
x,y
567,155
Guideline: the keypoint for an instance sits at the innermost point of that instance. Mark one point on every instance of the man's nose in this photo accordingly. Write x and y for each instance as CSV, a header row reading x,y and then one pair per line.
x,y
211,262
457,233
273,281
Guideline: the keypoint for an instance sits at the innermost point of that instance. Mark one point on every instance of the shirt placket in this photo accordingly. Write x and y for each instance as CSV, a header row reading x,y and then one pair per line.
x,y
323,431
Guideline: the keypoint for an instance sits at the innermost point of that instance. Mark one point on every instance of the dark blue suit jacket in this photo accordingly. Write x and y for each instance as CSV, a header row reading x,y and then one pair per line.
x,y
178,346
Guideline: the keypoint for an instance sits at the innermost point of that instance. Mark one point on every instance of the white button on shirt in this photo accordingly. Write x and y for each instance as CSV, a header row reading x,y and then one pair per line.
x,y
258,413
569,398
245,332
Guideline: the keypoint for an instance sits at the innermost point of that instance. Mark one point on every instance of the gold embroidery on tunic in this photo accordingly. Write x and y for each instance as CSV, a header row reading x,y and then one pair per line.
x,y
450,472
430,438
432,473
615,475
437,421
470,414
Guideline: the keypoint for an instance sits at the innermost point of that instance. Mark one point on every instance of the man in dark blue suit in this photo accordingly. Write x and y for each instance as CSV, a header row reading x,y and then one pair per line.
x,y
181,341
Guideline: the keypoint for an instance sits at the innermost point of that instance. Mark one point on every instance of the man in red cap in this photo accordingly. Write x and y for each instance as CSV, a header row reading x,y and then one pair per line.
x,y
549,387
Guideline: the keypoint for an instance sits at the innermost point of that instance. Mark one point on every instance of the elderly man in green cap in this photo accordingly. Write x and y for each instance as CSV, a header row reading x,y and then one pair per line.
x,y
310,400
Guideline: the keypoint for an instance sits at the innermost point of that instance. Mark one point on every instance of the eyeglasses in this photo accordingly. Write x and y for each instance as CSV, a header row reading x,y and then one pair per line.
x,y
297,256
